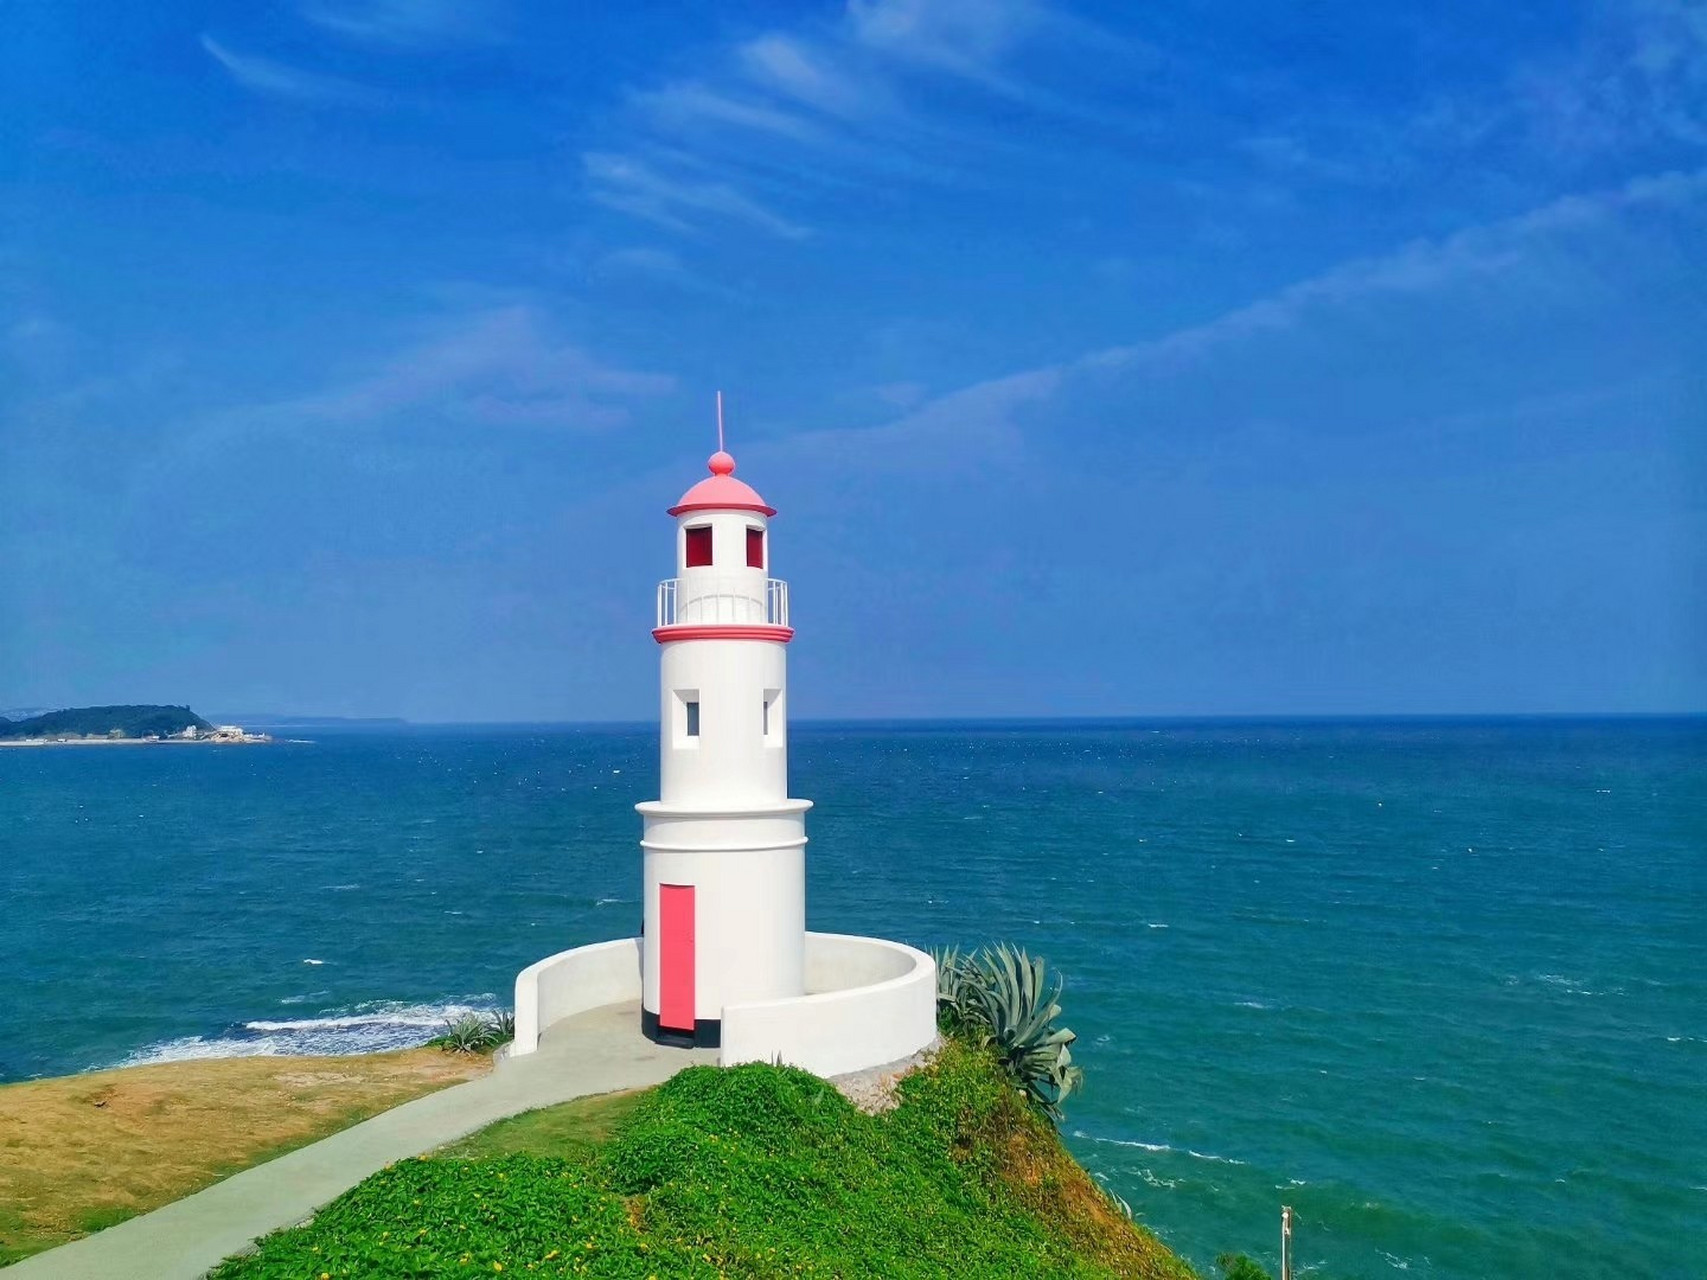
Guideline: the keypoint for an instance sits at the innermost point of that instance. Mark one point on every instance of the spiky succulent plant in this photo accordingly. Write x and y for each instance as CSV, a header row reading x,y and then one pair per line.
x,y
476,1033
1007,1001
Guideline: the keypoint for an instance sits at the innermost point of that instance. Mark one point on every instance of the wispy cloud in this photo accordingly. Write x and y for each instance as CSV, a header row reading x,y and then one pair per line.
x,y
689,106
276,79
968,38
408,23
1634,75
826,104
795,70
679,204
1416,268
1526,248
499,368
1639,73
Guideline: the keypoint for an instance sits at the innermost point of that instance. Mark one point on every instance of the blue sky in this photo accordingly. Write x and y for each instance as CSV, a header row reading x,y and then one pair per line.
x,y
1102,359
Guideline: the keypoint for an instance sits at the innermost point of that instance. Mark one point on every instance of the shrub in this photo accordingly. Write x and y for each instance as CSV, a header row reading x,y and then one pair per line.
x,y
476,1032
1239,1266
1005,1000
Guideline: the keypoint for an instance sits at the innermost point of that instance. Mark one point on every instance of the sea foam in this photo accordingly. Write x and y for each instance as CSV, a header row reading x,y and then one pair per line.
x,y
366,1028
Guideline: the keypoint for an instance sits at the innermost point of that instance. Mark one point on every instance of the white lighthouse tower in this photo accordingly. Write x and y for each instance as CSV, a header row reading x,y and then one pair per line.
x,y
724,879
724,959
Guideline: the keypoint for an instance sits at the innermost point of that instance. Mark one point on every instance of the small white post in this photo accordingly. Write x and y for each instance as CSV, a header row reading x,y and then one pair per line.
x,y
1285,1242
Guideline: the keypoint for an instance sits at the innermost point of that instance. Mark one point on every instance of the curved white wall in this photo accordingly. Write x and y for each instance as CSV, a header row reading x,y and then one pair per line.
x,y
872,1002
572,982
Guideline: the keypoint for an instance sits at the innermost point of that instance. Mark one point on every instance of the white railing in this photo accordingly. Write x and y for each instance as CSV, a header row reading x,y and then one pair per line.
x,y
722,601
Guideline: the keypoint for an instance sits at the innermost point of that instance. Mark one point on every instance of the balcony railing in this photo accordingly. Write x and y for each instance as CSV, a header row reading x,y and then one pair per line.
x,y
700,601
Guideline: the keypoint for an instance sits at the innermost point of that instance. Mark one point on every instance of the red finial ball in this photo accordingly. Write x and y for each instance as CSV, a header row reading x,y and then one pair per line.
x,y
721,463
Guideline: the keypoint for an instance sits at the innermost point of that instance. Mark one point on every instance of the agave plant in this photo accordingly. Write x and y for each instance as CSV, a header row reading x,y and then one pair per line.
x,y
955,978
476,1032
1005,1000
467,1033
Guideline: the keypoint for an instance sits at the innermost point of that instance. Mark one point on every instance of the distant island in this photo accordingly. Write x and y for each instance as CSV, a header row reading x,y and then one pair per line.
x,y
120,724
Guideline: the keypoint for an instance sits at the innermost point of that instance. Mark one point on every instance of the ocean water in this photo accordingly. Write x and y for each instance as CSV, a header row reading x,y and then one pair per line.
x,y
1440,986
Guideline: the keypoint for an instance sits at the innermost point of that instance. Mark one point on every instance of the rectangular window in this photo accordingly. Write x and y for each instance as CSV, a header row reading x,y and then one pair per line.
x,y
773,716
755,548
693,718
698,546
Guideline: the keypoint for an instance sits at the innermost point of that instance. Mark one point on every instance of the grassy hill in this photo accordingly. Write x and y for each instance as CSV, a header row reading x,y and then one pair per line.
x,y
101,722
752,1171
755,1171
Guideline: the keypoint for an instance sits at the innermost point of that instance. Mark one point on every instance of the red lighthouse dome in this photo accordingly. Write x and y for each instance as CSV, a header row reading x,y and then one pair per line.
x,y
721,491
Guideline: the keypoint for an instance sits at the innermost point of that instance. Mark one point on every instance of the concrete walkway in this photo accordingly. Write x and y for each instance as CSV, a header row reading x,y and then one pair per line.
x,y
596,1052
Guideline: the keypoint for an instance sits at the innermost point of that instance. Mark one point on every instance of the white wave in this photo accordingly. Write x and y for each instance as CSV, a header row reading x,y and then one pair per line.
x,y
1203,1155
1149,925
1157,1147
367,1028
313,962
386,1013
1252,1004
194,1048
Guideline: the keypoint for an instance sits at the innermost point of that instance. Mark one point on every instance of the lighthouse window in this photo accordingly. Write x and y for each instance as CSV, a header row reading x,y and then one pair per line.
x,y
698,546
693,719
755,548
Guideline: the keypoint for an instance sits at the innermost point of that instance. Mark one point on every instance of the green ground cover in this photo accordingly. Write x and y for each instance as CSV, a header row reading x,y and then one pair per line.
x,y
753,1171
571,1130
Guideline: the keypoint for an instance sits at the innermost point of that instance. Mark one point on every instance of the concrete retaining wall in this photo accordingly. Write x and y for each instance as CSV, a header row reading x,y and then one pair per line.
x,y
870,1002
572,982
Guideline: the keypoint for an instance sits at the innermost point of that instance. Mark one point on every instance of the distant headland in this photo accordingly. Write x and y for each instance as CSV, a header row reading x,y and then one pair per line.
x,y
126,724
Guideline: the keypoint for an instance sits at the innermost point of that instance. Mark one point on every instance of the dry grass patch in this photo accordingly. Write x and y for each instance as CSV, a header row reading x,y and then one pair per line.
x,y
79,1153
1040,1174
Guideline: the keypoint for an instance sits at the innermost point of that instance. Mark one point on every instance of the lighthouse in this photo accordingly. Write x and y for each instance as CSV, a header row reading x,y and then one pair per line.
x,y
723,846
724,960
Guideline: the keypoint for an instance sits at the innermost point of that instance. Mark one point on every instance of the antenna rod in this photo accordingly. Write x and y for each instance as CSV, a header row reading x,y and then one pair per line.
x,y
720,422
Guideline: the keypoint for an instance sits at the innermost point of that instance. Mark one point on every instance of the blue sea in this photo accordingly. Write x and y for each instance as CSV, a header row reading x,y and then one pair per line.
x,y
1441,986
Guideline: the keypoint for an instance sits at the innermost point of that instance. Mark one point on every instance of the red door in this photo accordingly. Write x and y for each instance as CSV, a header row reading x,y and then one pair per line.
x,y
675,956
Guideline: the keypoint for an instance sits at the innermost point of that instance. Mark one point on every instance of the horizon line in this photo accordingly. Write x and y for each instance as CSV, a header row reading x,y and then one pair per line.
x,y
1123,718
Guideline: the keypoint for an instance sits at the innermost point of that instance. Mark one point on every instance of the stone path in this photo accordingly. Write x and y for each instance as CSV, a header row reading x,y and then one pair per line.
x,y
596,1052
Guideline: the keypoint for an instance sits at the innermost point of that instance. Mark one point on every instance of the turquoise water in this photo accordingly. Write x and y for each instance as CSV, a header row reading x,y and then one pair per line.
x,y
1442,987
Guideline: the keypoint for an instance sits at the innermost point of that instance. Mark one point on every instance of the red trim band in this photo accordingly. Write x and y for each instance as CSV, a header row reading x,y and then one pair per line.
x,y
723,506
663,635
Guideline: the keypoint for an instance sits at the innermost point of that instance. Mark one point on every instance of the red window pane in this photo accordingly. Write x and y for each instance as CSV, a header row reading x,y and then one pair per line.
x,y
699,546
755,548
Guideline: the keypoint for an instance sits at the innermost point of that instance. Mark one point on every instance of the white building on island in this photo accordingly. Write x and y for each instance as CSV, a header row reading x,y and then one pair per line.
x,y
725,959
